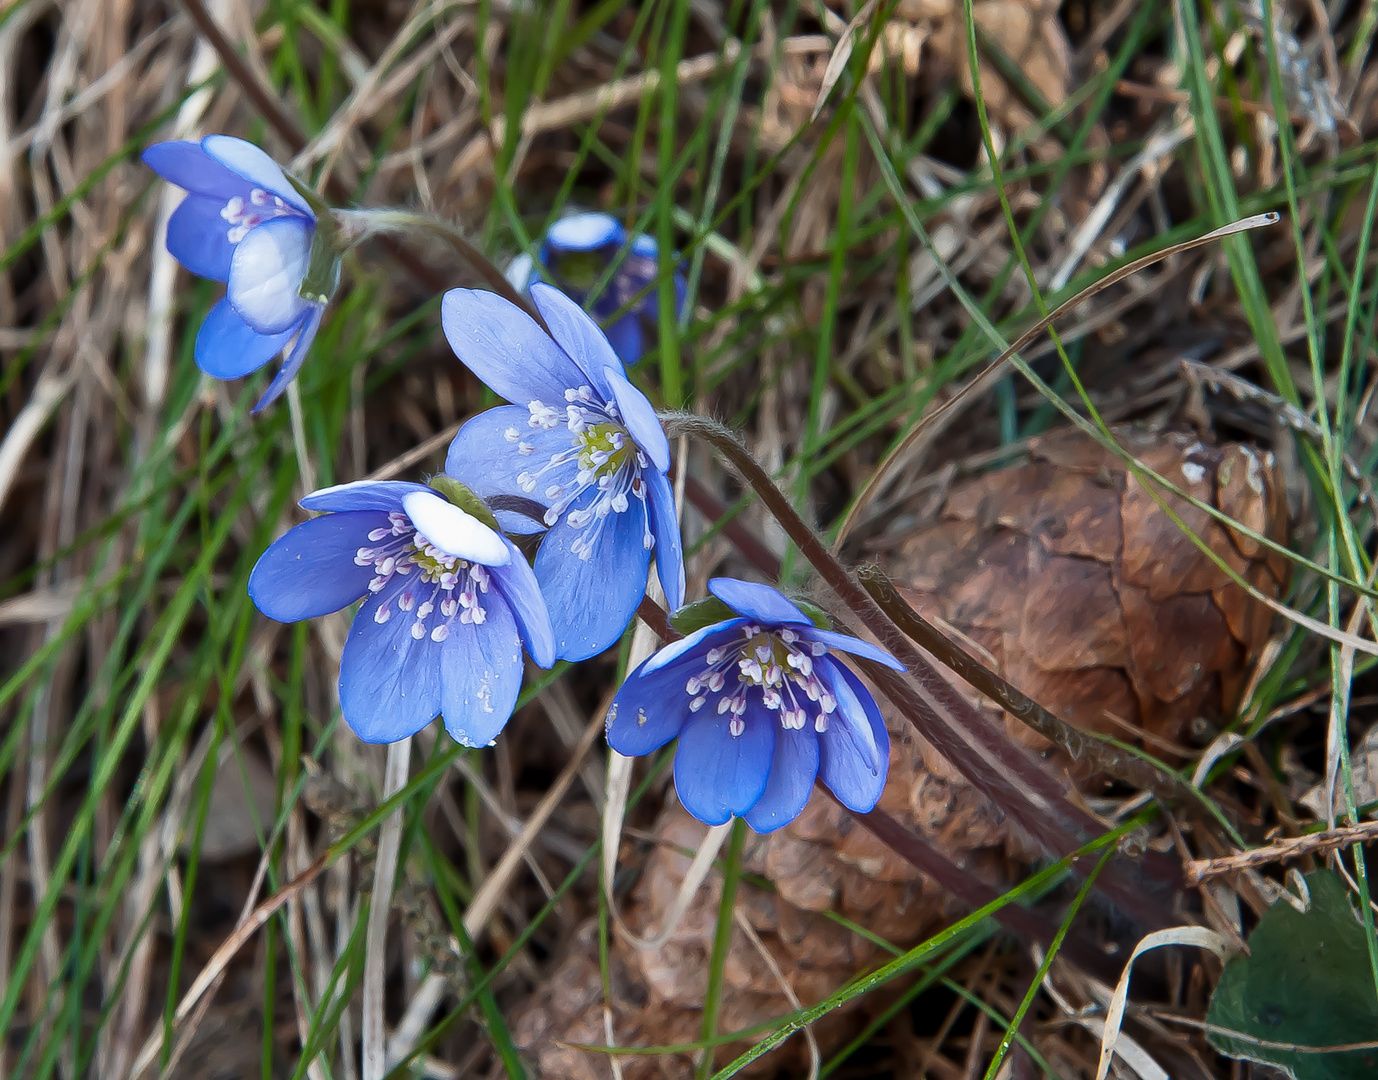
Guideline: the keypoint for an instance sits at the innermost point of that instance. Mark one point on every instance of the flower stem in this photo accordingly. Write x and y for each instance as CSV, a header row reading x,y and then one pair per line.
x,y
359,225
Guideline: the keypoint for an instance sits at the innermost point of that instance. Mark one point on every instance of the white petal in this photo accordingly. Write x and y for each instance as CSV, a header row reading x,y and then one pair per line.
x,y
453,531
520,272
266,273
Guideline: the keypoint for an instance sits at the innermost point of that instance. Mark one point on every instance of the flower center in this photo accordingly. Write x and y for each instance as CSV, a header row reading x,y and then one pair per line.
x,y
778,663
241,216
604,459
433,582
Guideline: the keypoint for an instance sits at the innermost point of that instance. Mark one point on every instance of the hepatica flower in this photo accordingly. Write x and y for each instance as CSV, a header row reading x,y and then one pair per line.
x,y
577,250
448,605
584,448
762,707
243,223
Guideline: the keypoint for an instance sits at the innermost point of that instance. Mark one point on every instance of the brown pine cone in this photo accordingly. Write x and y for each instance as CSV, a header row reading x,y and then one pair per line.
x,y
1067,575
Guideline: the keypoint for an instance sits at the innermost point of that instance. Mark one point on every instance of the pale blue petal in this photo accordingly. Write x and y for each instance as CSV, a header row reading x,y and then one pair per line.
x,y
856,646
517,583
792,773
639,418
481,675
854,753
227,348
503,346
650,708
521,273
584,232
455,531
296,356
485,458
699,642
198,237
362,495
645,246
579,336
758,602
389,681
256,167
266,273
310,570
669,551
188,166
718,775
592,600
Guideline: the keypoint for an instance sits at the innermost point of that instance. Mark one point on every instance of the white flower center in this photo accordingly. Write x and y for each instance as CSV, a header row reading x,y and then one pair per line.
x,y
435,584
607,460
242,216
777,662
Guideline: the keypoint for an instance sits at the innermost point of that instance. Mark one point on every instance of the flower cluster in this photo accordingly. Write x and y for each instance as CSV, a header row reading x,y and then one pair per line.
x,y
577,251
244,223
757,698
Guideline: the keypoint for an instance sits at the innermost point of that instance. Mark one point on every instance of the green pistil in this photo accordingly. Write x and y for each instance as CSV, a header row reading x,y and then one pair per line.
x,y
600,437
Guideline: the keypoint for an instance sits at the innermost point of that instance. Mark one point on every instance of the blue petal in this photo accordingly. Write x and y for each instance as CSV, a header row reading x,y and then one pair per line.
x,y
645,246
624,336
856,646
792,773
584,232
699,642
517,583
266,273
198,237
592,600
503,346
188,166
669,551
759,602
362,495
296,356
310,570
651,707
639,417
481,676
389,681
578,334
483,459
718,775
226,348
255,166
854,753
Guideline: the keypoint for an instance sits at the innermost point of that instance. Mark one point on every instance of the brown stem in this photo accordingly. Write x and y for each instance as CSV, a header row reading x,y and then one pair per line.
x,y
1077,743
967,887
272,111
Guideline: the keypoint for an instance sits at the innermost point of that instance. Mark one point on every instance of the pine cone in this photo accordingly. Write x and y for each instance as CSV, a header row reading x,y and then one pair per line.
x,y
1068,575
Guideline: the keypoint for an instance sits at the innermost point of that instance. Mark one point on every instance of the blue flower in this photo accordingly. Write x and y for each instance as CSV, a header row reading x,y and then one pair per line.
x,y
577,250
584,449
762,708
448,604
243,223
